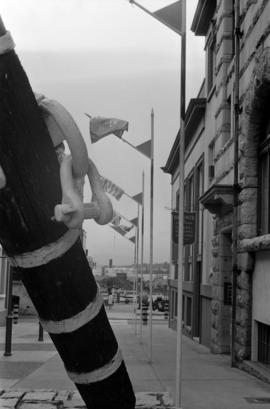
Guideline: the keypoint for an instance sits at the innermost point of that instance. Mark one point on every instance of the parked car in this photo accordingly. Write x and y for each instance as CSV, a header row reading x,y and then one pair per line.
x,y
128,296
145,300
105,296
160,304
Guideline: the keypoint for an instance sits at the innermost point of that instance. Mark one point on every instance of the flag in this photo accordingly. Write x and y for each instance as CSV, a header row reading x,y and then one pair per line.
x,y
171,15
119,230
134,221
100,127
111,188
133,239
123,233
138,198
145,148
116,220
126,228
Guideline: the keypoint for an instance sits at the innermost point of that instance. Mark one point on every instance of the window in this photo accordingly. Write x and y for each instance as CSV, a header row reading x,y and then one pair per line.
x,y
176,304
233,28
211,64
187,310
211,166
175,300
188,313
264,343
227,136
174,232
189,205
198,207
264,188
172,304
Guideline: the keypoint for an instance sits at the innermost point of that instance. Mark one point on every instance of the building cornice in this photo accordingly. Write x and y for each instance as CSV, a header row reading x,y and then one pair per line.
x,y
194,114
203,15
218,199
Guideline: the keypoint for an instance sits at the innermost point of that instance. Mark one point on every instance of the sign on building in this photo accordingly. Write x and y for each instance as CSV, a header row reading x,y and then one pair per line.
x,y
189,227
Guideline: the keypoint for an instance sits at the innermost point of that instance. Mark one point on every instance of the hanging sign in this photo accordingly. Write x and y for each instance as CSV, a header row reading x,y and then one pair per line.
x,y
189,227
175,227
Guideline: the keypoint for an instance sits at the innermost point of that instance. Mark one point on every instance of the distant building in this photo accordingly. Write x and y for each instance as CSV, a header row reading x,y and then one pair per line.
x,y
197,257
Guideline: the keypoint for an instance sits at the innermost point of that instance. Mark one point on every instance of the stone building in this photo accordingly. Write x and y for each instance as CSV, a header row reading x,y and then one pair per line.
x,y
236,142
197,256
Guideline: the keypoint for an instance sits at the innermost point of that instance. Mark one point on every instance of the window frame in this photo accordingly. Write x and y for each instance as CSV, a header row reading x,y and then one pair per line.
x,y
199,209
263,201
211,63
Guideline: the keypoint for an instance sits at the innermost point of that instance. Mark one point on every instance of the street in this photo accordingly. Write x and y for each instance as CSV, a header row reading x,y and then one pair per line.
x,y
208,381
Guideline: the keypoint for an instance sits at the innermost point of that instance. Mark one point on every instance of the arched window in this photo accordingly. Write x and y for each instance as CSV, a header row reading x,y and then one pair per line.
x,y
264,183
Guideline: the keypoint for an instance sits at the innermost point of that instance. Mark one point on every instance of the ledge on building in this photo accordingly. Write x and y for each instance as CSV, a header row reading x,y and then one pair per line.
x,y
255,244
256,369
206,291
218,199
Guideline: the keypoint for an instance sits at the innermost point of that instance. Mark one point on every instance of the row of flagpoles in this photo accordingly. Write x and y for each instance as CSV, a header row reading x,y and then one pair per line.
x,y
99,128
174,17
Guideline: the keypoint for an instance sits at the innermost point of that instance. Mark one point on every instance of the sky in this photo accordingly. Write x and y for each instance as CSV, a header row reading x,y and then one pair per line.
x,y
109,58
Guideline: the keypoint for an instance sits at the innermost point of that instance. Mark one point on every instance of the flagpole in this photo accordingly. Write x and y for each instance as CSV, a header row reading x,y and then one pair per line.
x,y
151,234
137,265
155,16
142,242
134,283
181,210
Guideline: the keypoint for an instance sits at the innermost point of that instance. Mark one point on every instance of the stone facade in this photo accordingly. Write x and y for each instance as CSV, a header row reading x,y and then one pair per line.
x,y
222,261
254,84
255,107
254,93
216,21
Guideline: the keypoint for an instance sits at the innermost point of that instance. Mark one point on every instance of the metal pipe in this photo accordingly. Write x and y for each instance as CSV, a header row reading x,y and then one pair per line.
x,y
40,332
181,211
237,35
9,317
151,237
142,243
137,265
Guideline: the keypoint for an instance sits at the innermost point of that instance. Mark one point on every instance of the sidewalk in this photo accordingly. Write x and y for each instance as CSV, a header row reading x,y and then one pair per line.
x,y
208,381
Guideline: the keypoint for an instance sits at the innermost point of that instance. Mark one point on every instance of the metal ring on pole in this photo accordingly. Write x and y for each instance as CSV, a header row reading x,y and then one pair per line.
x,y
72,211
61,126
